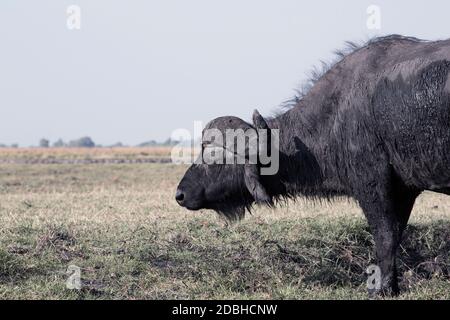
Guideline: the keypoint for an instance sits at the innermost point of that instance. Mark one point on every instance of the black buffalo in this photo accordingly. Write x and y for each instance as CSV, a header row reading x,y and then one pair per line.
x,y
375,127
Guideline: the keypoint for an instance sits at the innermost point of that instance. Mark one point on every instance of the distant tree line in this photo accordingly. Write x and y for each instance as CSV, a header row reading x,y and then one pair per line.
x,y
87,142
152,143
14,145
83,142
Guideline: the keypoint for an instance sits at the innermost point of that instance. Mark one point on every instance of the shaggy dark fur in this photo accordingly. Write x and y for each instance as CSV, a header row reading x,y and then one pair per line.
x,y
375,127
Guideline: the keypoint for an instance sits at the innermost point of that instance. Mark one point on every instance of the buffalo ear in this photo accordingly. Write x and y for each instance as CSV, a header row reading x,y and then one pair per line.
x,y
252,176
253,183
258,121
261,124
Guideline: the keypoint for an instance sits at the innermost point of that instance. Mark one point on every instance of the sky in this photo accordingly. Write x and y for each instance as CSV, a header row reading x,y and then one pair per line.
x,y
139,70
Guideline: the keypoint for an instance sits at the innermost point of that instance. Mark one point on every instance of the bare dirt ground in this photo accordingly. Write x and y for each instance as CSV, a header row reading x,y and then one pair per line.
x,y
120,225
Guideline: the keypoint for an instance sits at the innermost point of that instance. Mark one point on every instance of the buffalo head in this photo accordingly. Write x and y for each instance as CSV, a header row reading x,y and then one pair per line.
x,y
226,188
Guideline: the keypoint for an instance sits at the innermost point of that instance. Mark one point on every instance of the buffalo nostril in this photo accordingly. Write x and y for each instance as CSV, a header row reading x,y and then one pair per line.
x,y
179,196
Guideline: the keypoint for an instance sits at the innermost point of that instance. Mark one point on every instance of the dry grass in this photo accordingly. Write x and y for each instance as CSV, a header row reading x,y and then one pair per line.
x,y
83,153
93,155
119,223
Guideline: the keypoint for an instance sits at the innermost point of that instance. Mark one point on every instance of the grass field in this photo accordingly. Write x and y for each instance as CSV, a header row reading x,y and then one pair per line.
x,y
120,225
84,155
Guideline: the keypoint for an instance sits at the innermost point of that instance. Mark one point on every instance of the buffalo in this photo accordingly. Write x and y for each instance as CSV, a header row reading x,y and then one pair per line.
x,y
374,126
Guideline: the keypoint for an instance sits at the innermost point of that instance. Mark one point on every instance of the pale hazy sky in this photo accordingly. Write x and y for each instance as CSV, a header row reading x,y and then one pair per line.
x,y
137,70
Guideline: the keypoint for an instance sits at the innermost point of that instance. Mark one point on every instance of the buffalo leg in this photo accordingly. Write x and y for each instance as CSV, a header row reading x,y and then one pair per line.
x,y
404,199
387,211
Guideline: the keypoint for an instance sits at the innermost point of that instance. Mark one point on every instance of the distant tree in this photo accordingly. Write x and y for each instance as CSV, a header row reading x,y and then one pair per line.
x,y
59,144
15,145
84,142
151,143
44,143
170,142
117,145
